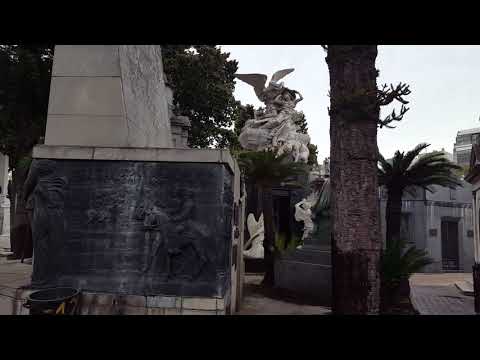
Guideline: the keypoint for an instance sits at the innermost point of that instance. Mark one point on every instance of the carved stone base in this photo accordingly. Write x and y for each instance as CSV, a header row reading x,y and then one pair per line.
x,y
158,222
306,271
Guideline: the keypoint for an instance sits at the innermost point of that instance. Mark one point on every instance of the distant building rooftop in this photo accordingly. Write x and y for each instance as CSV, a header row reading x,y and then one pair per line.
x,y
469,131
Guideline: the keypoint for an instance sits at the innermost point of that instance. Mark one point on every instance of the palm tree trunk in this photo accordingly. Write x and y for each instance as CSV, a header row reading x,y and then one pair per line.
x,y
354,114
269,236
393,216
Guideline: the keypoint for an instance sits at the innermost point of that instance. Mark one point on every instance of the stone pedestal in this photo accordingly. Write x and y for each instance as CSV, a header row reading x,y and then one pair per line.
x,y
308,269
145,222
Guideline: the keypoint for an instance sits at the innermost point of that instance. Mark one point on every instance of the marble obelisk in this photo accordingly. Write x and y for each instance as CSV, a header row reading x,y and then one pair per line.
x,y
110,95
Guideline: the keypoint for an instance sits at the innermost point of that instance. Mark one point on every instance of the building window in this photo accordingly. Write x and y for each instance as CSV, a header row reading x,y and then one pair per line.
x,y
453,194
463,158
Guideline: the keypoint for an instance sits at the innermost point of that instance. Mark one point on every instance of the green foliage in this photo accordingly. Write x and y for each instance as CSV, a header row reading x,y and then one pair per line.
x,y
202,78
410,169
312,157
463,171
265,169
24,163
398,264
281,245
25,73
301,122
244,113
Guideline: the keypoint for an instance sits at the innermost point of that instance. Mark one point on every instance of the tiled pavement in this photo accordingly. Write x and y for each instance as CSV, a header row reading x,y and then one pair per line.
x,y
432,294
13,275
436,294
257,304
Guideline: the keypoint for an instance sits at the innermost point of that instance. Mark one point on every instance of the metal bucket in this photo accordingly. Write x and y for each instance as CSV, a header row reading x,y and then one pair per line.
x,y
53,301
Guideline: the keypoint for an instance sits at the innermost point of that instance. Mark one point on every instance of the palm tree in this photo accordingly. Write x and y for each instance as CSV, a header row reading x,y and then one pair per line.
x,y
404,172
266,170
397,265
354,116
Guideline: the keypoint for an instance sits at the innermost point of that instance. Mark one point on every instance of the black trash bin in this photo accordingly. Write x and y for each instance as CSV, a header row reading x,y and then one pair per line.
x,y
54,301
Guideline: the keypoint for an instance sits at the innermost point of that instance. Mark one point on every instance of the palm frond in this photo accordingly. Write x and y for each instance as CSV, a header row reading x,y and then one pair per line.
x,y
406,171
267,169
400,263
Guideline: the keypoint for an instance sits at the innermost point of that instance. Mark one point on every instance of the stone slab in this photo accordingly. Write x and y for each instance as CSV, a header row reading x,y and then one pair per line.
x,y
136,228
465,287
89,130
86,60
144,95
95,96
123,82
136,154
307,273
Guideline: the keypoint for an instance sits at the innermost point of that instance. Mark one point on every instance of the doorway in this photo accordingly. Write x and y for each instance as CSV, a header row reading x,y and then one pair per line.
x,y
450,253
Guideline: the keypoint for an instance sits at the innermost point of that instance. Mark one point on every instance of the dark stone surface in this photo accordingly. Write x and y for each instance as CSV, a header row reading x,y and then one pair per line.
x,y
306,271
141,228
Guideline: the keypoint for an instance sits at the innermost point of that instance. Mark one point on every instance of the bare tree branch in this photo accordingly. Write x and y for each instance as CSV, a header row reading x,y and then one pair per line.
x,y
387,95
393,117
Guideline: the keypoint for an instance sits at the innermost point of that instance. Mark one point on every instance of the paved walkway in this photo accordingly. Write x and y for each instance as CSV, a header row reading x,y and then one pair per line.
x,y
13,274
256,304
436,294
432,294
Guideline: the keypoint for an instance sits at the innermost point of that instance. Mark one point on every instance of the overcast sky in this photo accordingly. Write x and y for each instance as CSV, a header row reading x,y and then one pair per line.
x,y
444,80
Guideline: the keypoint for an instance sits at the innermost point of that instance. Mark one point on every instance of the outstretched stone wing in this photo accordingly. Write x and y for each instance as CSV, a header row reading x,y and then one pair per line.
x,y
281,74
258,81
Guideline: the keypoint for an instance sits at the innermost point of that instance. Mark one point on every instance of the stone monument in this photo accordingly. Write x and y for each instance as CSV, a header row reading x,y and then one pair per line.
x,y
119,211
274,128
307,270
256,231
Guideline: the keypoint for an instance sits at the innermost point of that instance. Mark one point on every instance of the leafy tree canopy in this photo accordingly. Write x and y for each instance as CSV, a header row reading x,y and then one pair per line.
x,y
202,78
25,72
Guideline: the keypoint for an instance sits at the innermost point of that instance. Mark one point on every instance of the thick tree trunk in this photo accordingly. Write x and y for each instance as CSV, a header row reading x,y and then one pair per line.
x,y
353,133
269,237
393,216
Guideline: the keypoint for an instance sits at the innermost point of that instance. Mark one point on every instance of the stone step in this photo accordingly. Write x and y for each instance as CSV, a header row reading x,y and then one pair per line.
x,y
465,287
310,255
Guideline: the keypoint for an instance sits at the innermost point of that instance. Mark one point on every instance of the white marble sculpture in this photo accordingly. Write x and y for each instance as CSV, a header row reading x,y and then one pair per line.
x,y
303,209
256,232
274,128
303,212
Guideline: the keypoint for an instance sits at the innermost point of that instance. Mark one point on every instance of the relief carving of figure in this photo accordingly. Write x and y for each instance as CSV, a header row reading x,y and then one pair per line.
x,y
274,128
45,187
155,223
189,257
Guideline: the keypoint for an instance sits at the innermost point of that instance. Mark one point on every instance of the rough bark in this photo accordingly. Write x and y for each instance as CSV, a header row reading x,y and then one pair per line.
x,y
393,215
354,114
476,286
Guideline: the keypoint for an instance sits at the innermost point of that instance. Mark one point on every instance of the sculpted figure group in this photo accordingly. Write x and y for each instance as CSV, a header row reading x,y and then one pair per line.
x,y
274,128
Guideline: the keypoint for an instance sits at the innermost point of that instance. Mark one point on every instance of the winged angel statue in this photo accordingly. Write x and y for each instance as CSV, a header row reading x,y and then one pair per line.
x,y
274,128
